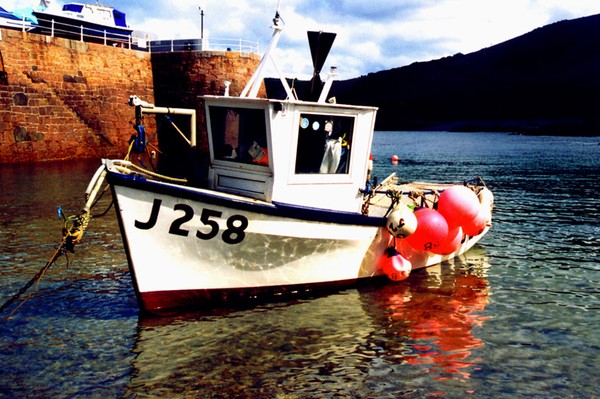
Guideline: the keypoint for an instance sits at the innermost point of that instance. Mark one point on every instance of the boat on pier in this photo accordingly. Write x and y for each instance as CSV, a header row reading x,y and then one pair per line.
x,y
88,22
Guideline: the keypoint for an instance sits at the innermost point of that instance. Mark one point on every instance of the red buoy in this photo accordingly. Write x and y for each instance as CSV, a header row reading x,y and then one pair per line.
x,y
431,230
478,224
451,243
459,205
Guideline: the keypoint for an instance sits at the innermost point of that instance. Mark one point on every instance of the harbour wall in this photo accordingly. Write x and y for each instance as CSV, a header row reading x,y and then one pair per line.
x,y
65,99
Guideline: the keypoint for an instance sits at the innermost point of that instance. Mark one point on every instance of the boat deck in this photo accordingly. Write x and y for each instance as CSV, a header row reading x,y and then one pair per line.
x,y
410,193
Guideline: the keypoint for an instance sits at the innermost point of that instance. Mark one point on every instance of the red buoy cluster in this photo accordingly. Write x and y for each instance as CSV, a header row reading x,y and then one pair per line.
x,y
441,231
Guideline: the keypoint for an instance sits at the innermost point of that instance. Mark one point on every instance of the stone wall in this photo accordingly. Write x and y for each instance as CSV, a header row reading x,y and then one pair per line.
x,y
180,78
67,99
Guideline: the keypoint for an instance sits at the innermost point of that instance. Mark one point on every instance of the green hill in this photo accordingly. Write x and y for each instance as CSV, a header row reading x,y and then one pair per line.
x,y
544,82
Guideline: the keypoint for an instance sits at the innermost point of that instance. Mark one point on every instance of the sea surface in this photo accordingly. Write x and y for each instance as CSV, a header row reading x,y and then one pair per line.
x,y
517,317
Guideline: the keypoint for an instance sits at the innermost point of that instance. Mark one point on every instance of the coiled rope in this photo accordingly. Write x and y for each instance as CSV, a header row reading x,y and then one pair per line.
x,y
127,167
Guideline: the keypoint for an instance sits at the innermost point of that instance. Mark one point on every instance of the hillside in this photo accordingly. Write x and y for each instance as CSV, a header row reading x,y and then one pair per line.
x,y
544,82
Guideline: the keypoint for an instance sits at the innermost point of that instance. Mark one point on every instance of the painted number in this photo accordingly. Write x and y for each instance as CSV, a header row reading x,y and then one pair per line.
x,y
188,214
235,229
214,226
233,234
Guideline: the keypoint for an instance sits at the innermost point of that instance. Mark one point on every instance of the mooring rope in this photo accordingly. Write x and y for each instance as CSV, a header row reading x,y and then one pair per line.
x,y
35,280
129,167
72,231
75,225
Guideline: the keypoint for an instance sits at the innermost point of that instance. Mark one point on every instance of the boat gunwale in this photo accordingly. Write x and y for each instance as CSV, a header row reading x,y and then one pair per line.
x,y
233,201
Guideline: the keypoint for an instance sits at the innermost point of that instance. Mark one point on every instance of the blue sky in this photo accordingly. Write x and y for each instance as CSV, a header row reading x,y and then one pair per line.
x,y
371,35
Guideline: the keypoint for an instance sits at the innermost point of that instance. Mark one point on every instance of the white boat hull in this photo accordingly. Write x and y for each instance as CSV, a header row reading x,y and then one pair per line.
x,y
191,247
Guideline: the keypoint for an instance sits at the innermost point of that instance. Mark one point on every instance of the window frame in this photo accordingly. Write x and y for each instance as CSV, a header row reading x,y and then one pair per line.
x,y
324,178
238,164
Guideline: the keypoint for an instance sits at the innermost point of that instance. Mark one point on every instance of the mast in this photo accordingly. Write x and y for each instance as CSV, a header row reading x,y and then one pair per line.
x,y
253,85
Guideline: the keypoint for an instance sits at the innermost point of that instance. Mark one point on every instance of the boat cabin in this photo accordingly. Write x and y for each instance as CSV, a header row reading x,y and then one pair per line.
x,y
95,13
294,152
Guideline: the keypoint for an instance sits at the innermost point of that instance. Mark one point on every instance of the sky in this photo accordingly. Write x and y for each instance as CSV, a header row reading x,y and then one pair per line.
x,y
372,35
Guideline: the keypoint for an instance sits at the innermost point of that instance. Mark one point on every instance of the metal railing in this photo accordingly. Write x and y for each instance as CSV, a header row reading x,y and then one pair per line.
x,y
21,22
137,41
175,45
84,33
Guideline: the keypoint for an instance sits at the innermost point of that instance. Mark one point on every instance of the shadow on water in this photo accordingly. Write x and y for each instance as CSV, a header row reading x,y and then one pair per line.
x,y
348,344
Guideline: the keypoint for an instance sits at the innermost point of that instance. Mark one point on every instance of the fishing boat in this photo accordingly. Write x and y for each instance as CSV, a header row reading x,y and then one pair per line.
x,y
88,22
287,206
12,20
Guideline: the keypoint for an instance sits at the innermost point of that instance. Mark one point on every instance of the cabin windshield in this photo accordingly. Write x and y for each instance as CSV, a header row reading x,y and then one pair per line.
x,y
239,135
324,144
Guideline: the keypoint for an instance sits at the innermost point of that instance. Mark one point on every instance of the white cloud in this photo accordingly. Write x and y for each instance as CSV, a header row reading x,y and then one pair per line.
x,y
18,5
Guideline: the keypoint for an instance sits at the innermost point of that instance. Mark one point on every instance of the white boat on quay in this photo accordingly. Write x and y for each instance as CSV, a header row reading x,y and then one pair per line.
x,y
92,22
12,20
288,205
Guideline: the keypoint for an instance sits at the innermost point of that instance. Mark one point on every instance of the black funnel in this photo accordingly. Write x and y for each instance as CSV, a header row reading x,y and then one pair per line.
x,y
320,44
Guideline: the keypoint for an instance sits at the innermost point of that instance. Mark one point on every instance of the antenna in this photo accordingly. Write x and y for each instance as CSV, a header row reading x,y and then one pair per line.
x,y
256,79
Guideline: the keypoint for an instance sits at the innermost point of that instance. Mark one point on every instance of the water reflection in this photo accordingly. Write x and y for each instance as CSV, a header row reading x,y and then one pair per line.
x,y
350,344
438,312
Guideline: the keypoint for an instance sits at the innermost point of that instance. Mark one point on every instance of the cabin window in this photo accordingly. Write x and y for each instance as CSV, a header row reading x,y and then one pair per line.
x,y
239,135
73,7
119,18
324,144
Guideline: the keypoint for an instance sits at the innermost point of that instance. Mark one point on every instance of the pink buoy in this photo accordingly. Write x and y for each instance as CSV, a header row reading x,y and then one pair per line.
x,y
459,205
478,224
431,230
394,265
395,159
451,243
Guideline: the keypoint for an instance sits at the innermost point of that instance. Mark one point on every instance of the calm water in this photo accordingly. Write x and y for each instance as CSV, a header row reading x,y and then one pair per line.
x,y
518,316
